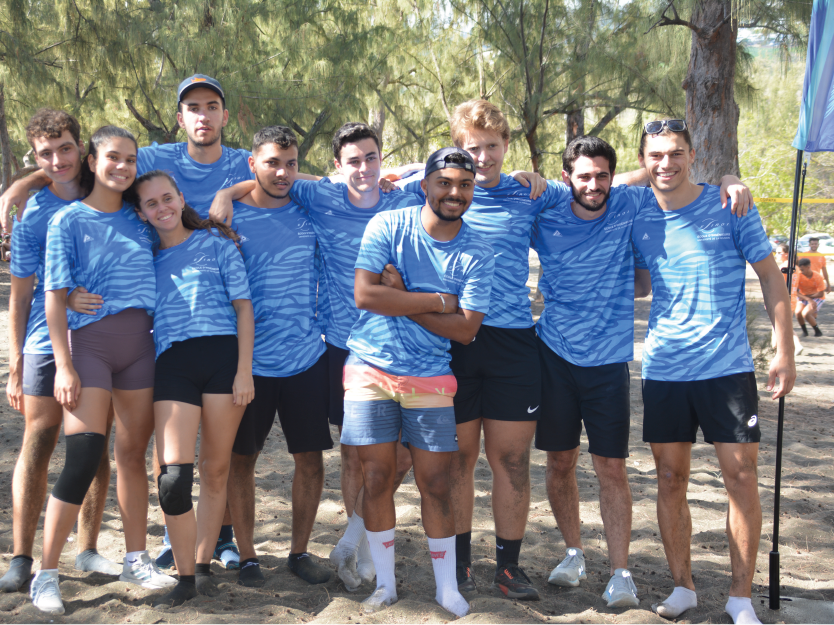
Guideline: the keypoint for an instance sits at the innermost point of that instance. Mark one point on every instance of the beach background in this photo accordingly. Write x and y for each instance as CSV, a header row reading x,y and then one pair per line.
x,y
807,526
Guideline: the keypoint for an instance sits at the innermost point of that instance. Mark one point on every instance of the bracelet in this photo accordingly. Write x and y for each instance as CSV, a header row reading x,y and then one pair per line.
x,y
443,301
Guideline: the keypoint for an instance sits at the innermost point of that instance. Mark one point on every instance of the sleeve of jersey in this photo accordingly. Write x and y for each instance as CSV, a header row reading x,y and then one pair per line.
x,y
415,188
25,251
751,238
233,271
146,158
374,251
639,261
304,192
59,257
478,285
555,194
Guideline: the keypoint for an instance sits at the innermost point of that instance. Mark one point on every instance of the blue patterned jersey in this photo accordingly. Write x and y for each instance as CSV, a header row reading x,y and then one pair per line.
x,y
29,257
588,279
504,215
463,266
696,256
279,249
199,183
196,282
339,226
109,254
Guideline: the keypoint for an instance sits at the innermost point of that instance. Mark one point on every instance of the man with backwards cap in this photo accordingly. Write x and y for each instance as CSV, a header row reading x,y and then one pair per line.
x,y
397,376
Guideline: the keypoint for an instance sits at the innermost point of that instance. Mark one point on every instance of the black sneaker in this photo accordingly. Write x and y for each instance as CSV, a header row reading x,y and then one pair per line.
x,y
514,583
804,331
817,331
465,581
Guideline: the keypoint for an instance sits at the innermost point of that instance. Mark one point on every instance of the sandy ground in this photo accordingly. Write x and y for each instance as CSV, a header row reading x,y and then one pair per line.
x,y
807,543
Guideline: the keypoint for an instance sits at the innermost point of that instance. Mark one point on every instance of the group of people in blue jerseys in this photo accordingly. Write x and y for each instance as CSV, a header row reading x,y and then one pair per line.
x,y
189,289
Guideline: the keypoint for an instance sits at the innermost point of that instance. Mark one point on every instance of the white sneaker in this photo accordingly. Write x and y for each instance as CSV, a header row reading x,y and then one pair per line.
x,y
143,572
45,593
570,571
621,591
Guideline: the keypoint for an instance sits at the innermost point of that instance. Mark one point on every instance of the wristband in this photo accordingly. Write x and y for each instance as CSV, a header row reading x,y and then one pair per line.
x,y
443,301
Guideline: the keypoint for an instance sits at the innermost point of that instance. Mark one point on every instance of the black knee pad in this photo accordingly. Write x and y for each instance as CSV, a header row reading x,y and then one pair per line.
x,y
80,467
175,481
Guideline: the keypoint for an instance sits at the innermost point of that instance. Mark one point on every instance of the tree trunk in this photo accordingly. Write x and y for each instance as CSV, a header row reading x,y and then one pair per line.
x,y
9,163
377,119
711,110
533,143
575,126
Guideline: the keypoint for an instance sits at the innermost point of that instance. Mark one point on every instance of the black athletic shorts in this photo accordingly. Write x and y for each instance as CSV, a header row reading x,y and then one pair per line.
x,y
571,395
39,375
336,357
499,376
725,408
190,369
301,401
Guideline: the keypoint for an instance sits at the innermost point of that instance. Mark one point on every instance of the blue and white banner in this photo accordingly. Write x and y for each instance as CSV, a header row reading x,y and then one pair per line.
x,y
816,115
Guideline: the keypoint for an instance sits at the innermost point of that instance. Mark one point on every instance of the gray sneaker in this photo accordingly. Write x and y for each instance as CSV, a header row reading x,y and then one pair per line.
x,y
621,591
45,593
143,572
570,571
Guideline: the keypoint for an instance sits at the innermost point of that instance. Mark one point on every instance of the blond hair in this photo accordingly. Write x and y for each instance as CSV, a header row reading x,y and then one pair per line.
x,y
480,115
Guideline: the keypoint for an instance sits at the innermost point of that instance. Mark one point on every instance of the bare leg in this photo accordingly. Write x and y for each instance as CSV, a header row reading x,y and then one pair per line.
x,y
43,423
379,468
89,416
738,462
92,510
615,507
462,470
672,461
507,445
431,472
563,493
307,485
134,426
241,500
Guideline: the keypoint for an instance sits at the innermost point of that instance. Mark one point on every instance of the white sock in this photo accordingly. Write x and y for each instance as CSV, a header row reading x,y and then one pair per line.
x,y
677,603
365,563
741,610
133,556
354,533
443,561
382,552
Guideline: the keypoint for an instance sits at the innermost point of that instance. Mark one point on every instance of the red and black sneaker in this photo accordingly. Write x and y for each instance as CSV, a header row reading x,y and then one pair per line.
x,y
514,583
466,583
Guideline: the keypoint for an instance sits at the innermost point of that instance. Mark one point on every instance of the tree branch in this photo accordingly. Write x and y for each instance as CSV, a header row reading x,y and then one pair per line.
x,y
674,21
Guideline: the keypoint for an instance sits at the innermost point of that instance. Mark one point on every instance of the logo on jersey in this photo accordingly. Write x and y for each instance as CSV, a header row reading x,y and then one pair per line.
x,y
204,263
753,421
329,213
243,239
646,237
304,228
556,233
712,230
87,238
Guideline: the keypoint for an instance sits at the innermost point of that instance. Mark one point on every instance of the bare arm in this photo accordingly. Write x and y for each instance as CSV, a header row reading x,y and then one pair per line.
x,y
825,277
17,195
778,304
20,304
461,327
372,296
741,196
221,206
636,178
243,388
67,382
642,282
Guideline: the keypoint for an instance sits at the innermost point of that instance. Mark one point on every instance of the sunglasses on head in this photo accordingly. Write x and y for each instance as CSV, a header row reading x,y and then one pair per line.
x,y
675,125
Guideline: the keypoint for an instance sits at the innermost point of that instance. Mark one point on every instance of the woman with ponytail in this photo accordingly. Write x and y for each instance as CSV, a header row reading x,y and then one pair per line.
x,y
101,244
204,331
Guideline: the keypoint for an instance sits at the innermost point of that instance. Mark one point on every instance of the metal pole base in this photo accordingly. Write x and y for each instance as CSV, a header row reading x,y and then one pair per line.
x,y
774,580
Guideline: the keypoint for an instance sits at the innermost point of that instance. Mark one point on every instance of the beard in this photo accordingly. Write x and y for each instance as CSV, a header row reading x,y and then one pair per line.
x,y
267,187
439,212
584,203
207,141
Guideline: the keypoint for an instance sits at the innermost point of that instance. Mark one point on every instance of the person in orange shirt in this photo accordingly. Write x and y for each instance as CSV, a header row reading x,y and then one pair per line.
x,y
810,294
818,261
782,258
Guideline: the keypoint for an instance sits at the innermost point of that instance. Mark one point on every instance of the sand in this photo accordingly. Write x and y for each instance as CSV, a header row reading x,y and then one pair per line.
x,y
806,529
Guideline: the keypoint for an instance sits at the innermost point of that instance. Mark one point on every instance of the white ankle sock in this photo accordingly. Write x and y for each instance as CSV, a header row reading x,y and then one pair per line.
x,y
443,560
382,552
741,610
365,563
43,574
133,556
677,603
354,533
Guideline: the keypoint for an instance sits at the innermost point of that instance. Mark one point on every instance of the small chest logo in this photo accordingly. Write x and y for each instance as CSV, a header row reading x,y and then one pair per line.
x,y
87,238
556,233
646,237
